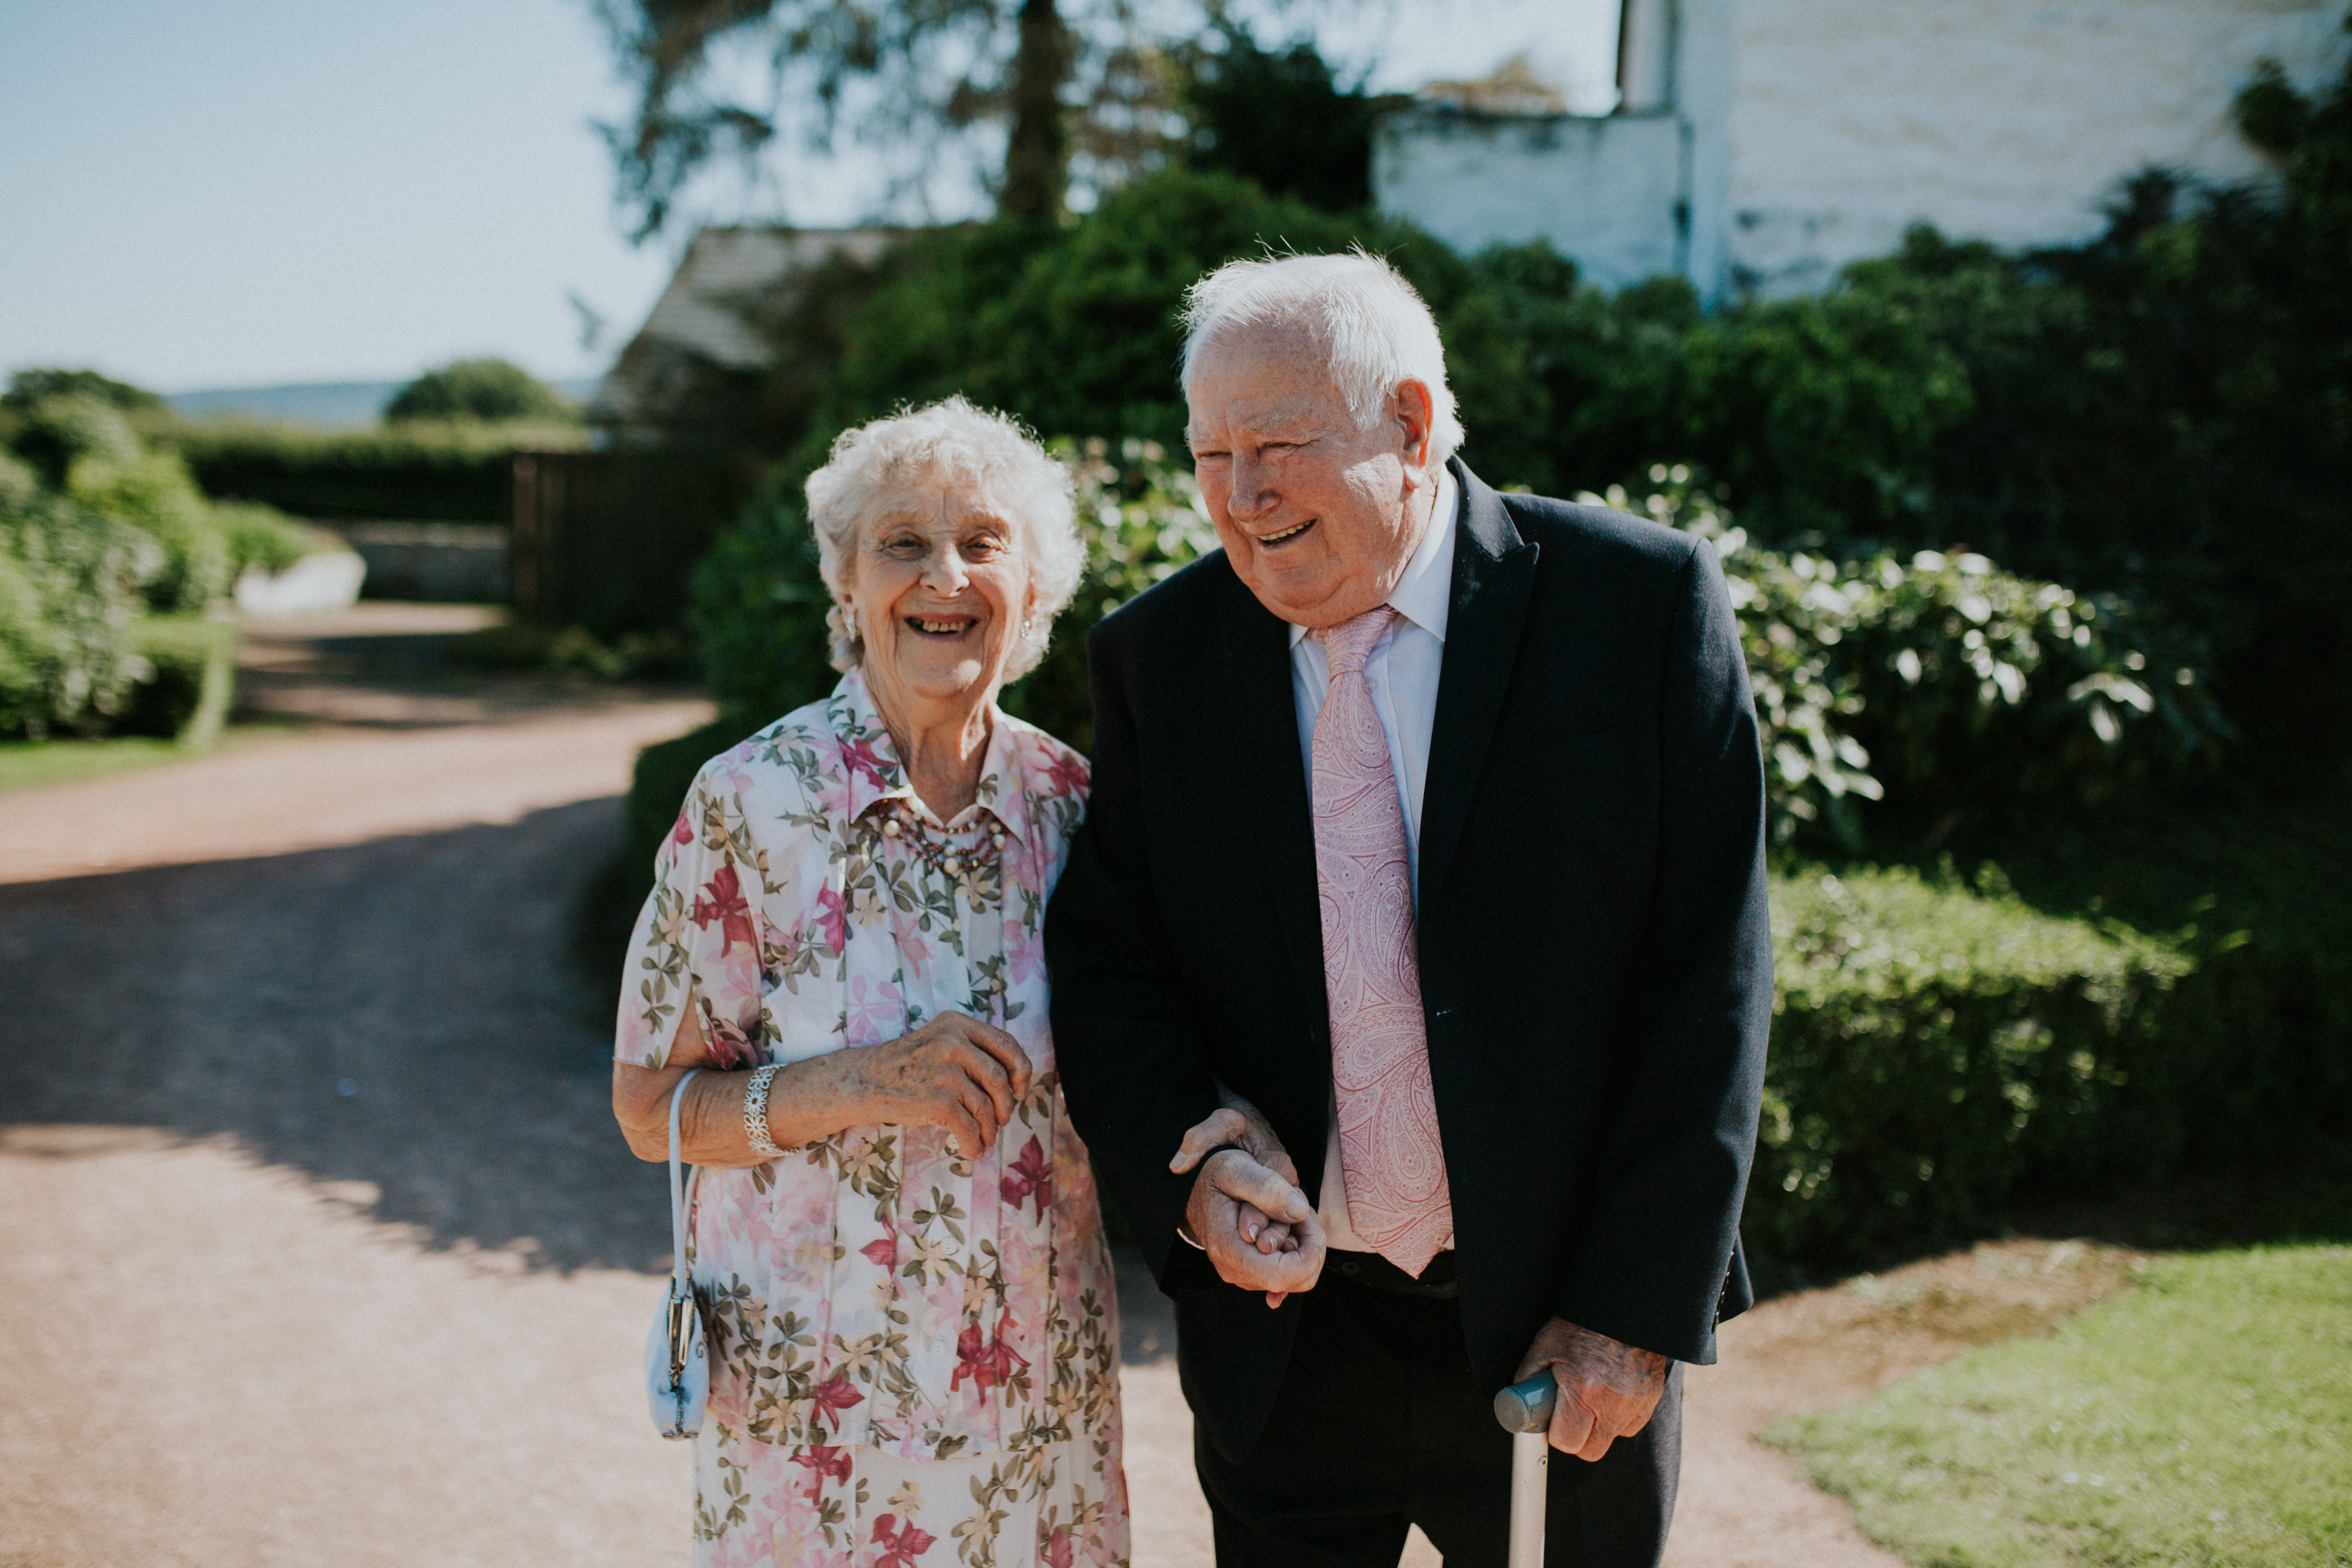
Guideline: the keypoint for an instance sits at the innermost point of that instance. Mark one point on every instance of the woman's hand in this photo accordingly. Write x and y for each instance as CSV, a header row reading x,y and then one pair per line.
x,y
954,1072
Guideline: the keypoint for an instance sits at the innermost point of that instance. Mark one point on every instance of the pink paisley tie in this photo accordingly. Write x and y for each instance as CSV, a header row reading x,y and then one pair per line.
x,y
1389,1148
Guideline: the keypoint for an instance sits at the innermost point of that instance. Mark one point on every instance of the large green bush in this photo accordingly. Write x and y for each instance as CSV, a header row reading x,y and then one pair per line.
x,y
495,390
1944,690
70,592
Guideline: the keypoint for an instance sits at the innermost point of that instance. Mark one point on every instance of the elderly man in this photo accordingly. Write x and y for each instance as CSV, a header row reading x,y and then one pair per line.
x,y
1423,873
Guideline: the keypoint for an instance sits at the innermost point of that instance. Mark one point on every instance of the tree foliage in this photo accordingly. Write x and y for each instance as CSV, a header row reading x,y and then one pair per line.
x,y
492,391
932,67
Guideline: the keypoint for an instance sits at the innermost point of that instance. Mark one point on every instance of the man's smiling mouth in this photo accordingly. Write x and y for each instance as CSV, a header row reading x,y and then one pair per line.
x,y
1270,541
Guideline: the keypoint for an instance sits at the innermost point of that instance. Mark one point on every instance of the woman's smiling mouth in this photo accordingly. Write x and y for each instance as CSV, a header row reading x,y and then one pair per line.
x,y
936,627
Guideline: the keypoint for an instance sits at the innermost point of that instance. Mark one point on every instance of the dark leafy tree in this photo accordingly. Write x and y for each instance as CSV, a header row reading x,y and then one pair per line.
x,y
933,68
29,386
490,389
1279,116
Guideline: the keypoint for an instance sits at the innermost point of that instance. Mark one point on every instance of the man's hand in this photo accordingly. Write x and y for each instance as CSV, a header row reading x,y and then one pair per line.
x,y
1607,1390
1246,1211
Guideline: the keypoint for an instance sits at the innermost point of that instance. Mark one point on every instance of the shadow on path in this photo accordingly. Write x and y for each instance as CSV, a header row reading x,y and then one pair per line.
x,y
431,974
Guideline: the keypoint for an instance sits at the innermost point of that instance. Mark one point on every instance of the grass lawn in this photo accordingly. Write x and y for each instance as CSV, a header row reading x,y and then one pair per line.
x,y
25,765
2205,1417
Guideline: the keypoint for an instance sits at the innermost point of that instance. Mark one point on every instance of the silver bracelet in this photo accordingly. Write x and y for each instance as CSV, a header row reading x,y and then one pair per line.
x,y
755,1112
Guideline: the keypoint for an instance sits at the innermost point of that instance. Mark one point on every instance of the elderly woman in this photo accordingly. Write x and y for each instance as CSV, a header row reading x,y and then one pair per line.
x,y
914,1335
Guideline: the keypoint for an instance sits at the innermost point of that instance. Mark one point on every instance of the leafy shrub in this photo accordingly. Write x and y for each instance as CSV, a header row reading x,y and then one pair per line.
x,y
1952,690
38,383
493,391
265,538
191,679
1938,1050
69,589
151,492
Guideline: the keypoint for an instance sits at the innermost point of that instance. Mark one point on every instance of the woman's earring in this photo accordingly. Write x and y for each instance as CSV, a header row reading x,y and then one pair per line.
x,y
849,619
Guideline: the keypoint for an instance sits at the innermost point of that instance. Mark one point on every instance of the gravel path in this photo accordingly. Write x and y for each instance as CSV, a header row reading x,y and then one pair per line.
x,y
316,1245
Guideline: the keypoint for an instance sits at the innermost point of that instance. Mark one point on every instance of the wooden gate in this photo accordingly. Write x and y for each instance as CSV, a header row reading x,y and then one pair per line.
x,y
608,541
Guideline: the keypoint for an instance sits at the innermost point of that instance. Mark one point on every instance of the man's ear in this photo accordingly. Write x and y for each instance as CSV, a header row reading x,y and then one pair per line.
x,y
1416,416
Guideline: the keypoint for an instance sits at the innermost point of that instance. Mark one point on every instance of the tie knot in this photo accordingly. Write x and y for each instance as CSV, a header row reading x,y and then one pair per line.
x,y
1349,643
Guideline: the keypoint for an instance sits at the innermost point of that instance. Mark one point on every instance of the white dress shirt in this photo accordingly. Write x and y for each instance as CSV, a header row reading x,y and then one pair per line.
x,y
1402,671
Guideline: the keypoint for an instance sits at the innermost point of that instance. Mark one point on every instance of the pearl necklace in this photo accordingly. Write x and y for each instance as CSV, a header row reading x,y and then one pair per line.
x,y
946,858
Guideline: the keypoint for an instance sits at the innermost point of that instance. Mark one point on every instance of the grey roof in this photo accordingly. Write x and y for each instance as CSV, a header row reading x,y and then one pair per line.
x,y
702,316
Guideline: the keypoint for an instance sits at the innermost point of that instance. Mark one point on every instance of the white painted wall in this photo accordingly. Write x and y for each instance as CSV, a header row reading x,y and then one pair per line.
x,y
2010,120
1804,134
1602,191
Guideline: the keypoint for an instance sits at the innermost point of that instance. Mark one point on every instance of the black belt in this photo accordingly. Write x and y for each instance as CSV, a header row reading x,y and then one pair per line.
x,y
1440,1281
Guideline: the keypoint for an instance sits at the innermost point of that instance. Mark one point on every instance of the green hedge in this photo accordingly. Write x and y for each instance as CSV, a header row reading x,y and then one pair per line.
x,y
426,473
1936,1050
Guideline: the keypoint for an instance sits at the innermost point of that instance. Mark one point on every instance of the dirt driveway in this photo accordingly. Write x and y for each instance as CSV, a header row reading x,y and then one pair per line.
x,y
317,1246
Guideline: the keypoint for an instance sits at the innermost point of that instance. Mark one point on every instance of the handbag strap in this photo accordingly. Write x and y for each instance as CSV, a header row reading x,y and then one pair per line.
x,y
680,1187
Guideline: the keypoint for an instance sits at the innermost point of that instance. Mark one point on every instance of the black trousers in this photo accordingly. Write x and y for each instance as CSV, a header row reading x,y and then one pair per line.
x,y
1379,1427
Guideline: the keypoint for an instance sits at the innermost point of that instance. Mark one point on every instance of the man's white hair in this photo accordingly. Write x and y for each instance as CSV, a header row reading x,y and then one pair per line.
x,y
1373,327
876,466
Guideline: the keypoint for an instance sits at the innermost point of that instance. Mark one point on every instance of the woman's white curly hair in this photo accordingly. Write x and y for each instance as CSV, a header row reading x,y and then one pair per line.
x,y
875,465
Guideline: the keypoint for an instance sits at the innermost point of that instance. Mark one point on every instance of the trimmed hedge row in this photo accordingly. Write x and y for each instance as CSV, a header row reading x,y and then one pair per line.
x,y
425,473
1938,1050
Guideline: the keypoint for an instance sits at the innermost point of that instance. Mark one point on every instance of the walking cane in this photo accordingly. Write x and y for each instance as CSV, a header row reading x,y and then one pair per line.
x,y
1525,1411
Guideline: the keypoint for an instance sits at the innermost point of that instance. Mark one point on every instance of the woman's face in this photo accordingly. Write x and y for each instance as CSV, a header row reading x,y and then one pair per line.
x,y
941,589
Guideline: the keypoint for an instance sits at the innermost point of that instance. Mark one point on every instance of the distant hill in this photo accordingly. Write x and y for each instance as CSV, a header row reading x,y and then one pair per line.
x,y
334,404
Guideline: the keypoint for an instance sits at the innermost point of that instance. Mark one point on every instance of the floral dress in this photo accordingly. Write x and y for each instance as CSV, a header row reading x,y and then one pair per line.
x,y
915,1355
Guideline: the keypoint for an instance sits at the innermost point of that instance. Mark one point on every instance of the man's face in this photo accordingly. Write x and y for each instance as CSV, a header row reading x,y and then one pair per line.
x,y
1318,517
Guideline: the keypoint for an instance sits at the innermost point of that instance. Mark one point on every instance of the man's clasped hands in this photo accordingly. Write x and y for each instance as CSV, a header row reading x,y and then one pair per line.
x,y
1260,1231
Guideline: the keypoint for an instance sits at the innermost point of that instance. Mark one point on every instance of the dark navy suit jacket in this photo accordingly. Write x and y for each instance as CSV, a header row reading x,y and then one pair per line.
x,y
1595,953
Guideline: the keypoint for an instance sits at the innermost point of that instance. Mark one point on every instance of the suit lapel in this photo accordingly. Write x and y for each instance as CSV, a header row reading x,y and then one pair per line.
x,y
1494,571
1256,657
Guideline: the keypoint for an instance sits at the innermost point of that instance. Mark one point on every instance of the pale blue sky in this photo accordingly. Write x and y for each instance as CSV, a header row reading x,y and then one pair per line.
x,y
245,191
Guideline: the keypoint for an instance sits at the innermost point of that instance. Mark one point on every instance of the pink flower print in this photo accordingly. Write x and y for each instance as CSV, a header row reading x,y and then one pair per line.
x,y
832,919
824,1464
860,757
722,900
913,951
883,1253
1024,955
684,832
875,1009
1028,1177
1054,1552
900,1545
1068,774
835,1398
986,1364
731,1047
